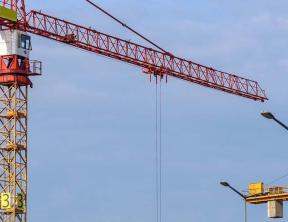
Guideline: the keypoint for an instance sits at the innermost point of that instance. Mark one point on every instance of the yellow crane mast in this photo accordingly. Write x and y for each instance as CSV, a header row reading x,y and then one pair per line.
x,y
13,116
15,69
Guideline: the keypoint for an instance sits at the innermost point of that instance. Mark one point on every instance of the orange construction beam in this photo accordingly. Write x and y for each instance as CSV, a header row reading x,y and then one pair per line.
x,y
267,197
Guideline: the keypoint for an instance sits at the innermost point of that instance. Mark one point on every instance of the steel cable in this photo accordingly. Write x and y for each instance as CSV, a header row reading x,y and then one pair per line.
x,y
158,148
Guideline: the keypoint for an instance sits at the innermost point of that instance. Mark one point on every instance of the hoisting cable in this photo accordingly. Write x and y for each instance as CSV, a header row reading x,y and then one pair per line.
x,y
158,148
160,151
126,26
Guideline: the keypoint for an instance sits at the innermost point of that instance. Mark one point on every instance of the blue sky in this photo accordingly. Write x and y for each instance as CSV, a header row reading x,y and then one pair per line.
x,y
92,119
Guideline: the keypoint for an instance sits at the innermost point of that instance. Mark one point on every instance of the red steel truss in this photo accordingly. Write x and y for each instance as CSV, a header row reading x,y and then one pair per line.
x,y
151,60
11,4
16,5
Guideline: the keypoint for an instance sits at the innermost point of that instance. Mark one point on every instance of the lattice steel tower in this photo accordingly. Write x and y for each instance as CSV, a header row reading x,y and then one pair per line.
x,y
15,69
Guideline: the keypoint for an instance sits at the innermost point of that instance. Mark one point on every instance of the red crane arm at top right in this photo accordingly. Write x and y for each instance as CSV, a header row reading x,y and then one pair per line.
x,y
156,62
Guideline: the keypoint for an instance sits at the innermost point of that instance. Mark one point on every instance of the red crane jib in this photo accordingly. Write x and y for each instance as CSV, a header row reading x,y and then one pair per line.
x,y
151,60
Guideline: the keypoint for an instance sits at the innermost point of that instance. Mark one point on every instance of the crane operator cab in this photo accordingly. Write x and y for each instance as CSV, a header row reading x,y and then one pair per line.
x,y
15,47
14,42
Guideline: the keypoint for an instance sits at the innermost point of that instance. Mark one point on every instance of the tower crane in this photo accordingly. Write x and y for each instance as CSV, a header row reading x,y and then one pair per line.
x,y
273,196
258,193
16,68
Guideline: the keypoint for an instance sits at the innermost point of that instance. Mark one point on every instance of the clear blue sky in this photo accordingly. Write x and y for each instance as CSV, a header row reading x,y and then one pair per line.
x,y
91,154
